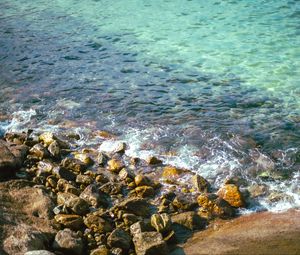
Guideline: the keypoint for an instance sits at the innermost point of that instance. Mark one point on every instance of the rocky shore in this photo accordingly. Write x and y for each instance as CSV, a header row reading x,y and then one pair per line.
x,y
58,199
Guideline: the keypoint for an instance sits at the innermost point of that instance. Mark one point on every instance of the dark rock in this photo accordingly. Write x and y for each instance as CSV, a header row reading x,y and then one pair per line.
x,y
142,180
63,173
153,160
190,220
68,242
144,191
184,202
102,159
111,188
150,243
119,239
199,183
129,218
84,179
137,206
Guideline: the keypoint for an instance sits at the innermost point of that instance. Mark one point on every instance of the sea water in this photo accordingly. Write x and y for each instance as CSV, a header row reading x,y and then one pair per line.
x,y
212,86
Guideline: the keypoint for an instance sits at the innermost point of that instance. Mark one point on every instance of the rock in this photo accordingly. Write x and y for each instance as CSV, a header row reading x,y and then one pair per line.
x,y
39,151
44,168
116,251
119,239
72,221
11,158
84,179
276,196
94,197
161,222
213,206
102,159
153,160
142,180
61,172
84,158
184,202
112,147
126,173
74,165
115,165
47,138
144,191
232,195
257,190
141,226
54,149
25,218
101,178
68,242
129,218
74,203
150,243
111,188
199,183
39,252
190,220
105,134
102,250
170,172
97,223
137,206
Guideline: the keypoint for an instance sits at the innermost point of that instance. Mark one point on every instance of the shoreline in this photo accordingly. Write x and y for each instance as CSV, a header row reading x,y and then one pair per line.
x,y
106,201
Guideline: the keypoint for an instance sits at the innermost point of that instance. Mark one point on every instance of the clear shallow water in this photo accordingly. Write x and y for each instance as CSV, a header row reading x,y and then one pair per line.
x,y
211,86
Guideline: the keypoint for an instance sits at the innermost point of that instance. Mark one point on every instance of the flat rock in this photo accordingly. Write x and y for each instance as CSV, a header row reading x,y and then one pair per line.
x,y
262,233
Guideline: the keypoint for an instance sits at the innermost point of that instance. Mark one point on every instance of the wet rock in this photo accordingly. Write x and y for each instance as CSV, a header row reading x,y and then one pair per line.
x,y
54,149
44,167
17,138
84,179
39,252
102,250
141,226
276,196
150,243
199,183
257,190
74,165
112,147
68,242
232,195
39,151
170,172
97,223
161,222
137,206
153,160
72,221
190,220
119,239
115,165
94,197
144,191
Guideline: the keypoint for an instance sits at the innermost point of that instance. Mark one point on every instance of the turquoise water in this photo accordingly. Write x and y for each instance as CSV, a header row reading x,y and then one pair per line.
x,y
217,83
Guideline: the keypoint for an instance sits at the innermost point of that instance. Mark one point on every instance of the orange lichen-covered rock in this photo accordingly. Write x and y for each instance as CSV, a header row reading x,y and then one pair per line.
x,y
171,172
232,195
